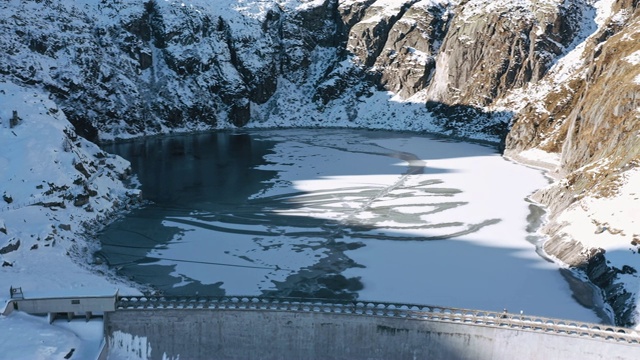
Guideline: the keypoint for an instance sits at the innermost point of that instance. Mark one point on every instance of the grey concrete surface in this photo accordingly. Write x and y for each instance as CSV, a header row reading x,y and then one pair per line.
x,y
277,334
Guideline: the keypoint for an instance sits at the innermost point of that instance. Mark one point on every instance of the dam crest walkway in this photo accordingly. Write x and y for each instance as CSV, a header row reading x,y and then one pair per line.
x,y
503,320
96,305
252,327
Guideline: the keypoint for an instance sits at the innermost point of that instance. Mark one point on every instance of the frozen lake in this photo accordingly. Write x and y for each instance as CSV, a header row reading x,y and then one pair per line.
x,y
347,214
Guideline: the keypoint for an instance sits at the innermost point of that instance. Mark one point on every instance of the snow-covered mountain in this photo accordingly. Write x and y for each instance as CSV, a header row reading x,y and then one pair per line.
x,y
556,82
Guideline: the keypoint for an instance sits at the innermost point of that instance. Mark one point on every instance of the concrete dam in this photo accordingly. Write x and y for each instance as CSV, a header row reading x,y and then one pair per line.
x,y
258,328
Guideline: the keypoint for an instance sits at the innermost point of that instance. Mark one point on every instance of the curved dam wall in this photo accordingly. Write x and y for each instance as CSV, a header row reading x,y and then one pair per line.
x,y
204,333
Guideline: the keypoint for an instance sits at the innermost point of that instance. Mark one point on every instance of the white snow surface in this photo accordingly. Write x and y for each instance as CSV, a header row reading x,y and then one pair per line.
x,y
51,260
550,160
616,214
634,58
126,346
27,337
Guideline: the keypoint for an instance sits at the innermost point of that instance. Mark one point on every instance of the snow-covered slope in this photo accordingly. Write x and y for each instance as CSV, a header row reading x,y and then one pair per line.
x,y
556,78
55,187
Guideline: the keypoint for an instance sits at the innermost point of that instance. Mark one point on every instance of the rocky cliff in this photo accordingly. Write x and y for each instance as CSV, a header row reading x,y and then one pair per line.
x,y
556,76
591,120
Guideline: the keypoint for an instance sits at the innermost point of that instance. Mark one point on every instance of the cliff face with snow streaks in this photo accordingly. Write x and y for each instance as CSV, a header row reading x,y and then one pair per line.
x,y
586,111
555,82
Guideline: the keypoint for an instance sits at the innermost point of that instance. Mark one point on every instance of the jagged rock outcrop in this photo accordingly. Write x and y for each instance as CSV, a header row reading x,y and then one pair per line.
x,y
12,246
368,36
403,55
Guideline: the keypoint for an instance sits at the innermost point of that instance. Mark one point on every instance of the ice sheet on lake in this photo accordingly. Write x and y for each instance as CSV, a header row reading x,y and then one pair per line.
x,y
436,222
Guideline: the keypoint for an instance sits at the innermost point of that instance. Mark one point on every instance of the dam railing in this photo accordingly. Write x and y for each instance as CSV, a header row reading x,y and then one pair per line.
x,y
386,309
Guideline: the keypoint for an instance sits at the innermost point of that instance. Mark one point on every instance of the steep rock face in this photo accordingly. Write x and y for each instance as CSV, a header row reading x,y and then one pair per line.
x,y
582,119
489,52
593,121
466,53
592,118
368,37
459,57
143,67
408,59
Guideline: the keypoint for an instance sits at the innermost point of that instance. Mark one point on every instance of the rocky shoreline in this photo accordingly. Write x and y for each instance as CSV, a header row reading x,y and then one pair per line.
x,y
589,263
